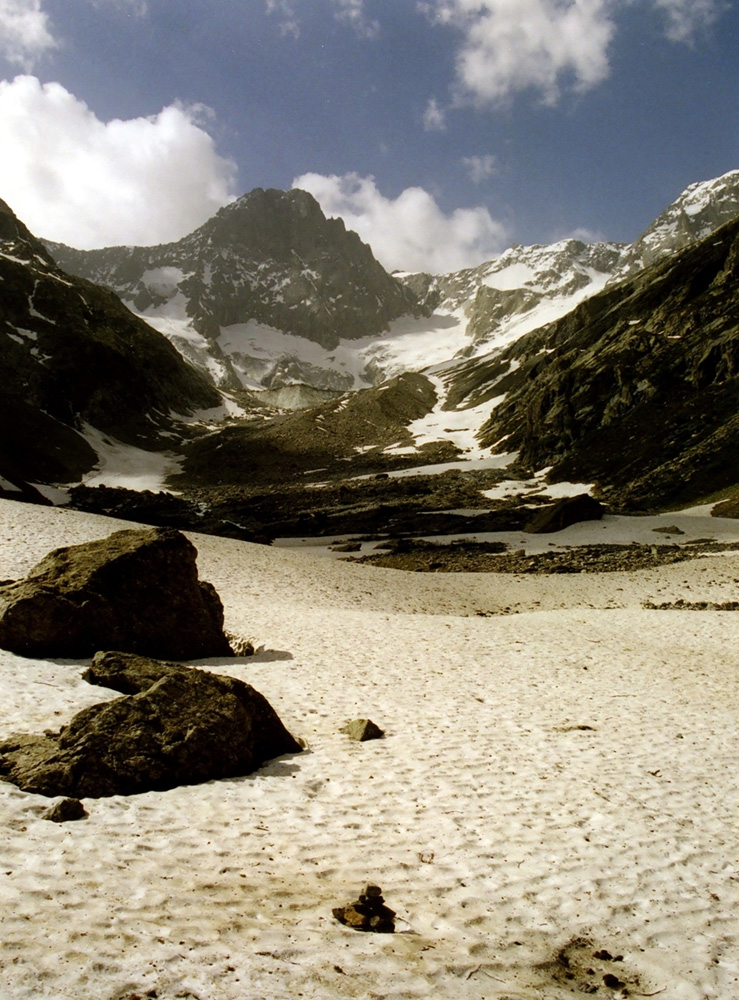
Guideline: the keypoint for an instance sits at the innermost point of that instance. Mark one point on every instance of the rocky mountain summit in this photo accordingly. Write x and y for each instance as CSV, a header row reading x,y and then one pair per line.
x,y
521,290
700,210
528,287
269,259
73,359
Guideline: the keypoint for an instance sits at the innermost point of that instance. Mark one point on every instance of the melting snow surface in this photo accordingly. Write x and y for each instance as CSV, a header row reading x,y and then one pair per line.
x,y
461,427
127,466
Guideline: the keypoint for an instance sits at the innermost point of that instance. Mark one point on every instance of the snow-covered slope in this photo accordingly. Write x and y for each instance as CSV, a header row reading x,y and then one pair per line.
x,y
523,289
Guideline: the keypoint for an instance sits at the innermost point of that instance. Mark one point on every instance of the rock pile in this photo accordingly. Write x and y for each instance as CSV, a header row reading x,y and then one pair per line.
x,y
368,913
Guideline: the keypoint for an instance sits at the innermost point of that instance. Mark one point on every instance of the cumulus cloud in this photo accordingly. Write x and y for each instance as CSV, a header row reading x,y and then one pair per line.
x,y
24,32
410,232
546,46
517,45
75,179
480,168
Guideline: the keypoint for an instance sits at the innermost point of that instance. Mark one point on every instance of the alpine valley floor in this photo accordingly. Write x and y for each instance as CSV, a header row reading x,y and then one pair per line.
x,y
552,812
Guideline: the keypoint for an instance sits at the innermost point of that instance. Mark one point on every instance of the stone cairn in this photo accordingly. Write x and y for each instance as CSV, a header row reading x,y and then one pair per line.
x,y
368,913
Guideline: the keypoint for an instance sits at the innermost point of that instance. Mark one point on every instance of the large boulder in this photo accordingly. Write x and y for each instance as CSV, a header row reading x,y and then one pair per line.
x,y
137,591
567,511
177,726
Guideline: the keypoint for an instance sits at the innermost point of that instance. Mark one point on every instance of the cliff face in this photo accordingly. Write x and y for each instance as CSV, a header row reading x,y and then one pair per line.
x,y
637,388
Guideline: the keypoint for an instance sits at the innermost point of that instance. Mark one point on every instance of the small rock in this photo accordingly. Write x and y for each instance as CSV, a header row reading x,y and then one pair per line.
x,y
239,645
362,730
65,811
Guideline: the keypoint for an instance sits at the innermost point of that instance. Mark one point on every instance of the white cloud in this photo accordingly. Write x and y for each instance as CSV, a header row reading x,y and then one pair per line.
x,y
547,46
480,168
686,17
434,117
350,12
24,32
410,232
73,178
517,45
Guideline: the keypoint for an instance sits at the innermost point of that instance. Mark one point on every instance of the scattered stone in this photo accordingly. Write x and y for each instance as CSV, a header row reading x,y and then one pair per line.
x,y
601,558
582,968
671,529
613,982
65,811
368,913
567,511
362,730
175,726
137,591
683,605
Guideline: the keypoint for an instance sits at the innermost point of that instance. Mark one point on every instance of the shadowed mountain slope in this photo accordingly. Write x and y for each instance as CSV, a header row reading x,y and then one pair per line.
x,y
73,356
637,388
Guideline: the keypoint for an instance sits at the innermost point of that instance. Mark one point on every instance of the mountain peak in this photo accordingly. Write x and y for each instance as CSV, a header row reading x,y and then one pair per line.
x,y
698,211
272,258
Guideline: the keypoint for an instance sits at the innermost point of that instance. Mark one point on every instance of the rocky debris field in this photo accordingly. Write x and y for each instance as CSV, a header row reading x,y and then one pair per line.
x,y
380,505
487,557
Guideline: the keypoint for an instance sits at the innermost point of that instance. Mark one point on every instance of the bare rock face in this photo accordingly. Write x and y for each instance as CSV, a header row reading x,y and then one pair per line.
x,y
177,726
567,511
137,591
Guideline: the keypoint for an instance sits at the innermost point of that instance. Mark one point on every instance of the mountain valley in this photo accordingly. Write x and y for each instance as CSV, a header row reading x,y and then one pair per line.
x,y
279,382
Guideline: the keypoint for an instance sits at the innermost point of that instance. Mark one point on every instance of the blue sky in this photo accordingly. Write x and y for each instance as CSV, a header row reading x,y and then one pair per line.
x,y
441,130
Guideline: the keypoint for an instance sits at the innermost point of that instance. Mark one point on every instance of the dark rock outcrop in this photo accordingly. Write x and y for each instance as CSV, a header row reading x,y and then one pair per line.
x,y
137,590
177,726
368,913
71,354
291,444
637,389
567,511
